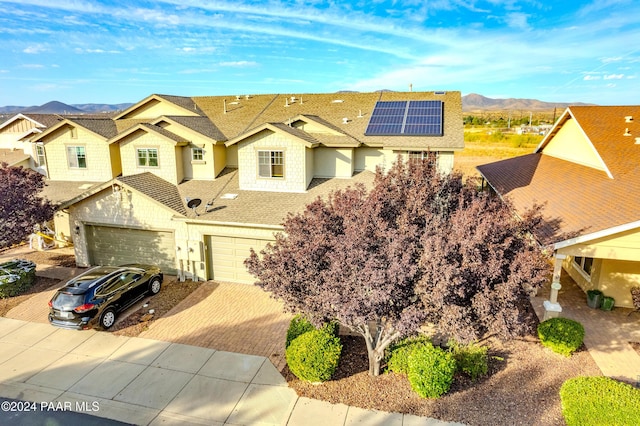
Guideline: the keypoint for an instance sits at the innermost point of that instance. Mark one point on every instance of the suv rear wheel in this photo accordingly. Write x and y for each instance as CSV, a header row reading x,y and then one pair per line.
x,y
108,318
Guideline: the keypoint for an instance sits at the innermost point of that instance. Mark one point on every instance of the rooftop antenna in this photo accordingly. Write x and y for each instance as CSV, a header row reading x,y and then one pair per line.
x,y
411,87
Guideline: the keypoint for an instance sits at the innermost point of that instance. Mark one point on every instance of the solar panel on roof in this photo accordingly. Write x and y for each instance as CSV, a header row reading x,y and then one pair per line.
x,y
397,118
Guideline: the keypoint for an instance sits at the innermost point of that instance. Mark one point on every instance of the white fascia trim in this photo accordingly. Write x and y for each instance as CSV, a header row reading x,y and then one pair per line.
x,y
234,224
595,235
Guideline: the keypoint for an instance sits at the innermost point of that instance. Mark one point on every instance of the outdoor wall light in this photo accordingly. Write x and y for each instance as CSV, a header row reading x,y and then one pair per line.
x,y
77,230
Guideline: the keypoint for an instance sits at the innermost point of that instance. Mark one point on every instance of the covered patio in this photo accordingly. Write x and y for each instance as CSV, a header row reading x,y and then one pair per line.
x,y
607,333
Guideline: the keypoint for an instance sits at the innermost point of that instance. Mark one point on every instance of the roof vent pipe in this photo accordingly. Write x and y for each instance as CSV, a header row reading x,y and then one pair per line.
x,y
637,141
626,132
225,105
628,119
359,113
300,99
345,120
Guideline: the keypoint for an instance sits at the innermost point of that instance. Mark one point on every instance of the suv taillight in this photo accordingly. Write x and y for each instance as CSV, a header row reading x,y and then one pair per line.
x,y
84,308
51,303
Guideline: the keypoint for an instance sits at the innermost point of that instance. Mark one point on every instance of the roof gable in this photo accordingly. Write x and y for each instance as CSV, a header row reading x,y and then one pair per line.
x,y
201,125
147,184
155,106
569,142
150,128
308,140
103,128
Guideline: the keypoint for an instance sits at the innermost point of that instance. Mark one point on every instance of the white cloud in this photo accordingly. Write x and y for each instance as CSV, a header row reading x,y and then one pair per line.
x,y
33,66
590,77
240,64
613,76
35,49
517,20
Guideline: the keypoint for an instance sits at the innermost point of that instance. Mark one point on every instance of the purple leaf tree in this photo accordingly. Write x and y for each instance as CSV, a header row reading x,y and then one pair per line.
x,y
362,257
21,206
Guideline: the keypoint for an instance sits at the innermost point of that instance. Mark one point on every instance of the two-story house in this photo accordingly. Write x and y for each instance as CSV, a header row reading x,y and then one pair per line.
x,y
585,178
203,179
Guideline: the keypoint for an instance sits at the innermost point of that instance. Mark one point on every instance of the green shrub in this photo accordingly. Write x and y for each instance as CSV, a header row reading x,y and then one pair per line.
x,y
398,353
297,327
16,276
431,371
561,335
300,325
599,401
471,359
313,356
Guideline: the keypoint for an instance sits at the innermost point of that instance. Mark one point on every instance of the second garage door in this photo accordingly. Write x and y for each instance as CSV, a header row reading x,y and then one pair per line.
x,y
227,255
108,245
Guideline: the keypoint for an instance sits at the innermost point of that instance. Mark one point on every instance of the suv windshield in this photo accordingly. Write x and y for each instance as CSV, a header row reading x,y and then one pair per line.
x,y
67,301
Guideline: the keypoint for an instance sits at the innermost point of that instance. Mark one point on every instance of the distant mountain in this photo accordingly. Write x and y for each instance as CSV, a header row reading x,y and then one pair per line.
x,y
55,107
470,103
474,102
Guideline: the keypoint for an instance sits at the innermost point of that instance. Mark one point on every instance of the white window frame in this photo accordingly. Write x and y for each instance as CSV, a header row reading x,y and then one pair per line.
x,y
579,263
268,163
422,155
41,158
197,155
147,158
76,156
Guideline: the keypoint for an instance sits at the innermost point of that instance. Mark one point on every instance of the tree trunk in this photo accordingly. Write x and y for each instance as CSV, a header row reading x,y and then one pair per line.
x,y
376,344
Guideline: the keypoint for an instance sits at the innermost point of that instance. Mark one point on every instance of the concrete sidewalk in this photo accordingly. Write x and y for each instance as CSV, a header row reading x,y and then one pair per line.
x,y
150,382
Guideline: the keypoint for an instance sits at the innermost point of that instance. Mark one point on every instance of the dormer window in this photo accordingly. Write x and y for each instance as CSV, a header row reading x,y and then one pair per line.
x,y
271,164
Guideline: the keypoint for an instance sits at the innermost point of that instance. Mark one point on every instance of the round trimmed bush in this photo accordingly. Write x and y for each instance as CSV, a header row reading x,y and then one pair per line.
x,y
398,353
297,327
561,335
431,371
314,355
471,359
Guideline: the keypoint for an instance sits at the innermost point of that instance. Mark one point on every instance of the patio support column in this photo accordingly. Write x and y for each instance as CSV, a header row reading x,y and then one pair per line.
x,y
551,307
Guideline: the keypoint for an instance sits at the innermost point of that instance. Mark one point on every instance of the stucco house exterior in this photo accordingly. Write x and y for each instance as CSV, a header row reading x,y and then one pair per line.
x,y
205,179
585,178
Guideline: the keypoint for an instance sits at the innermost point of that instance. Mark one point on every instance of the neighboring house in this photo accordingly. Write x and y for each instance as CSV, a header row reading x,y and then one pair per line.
x,y
16,147
78,149
204,179
585,177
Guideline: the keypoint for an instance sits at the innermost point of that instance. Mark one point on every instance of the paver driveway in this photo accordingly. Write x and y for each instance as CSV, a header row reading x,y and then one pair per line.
x,y
227,317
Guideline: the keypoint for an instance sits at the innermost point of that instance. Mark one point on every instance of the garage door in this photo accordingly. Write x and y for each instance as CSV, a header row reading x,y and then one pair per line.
x,y
108,245
227,255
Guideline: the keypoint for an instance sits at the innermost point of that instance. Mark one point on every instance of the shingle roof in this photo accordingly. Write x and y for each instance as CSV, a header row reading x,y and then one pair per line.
x,y
60,191
183,101
578,200
11,156
257,207
104,127
246,114
47,120
202,125
156,188
164,132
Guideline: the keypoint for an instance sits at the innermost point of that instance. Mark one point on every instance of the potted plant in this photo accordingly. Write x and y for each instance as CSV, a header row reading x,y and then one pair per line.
x,y
607,303
594,298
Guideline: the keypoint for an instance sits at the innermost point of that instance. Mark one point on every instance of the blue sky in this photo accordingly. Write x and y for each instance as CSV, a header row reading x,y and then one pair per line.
x,y
89,51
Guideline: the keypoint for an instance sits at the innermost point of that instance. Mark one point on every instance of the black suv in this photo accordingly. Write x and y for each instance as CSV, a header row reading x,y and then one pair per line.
x,y
99,294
